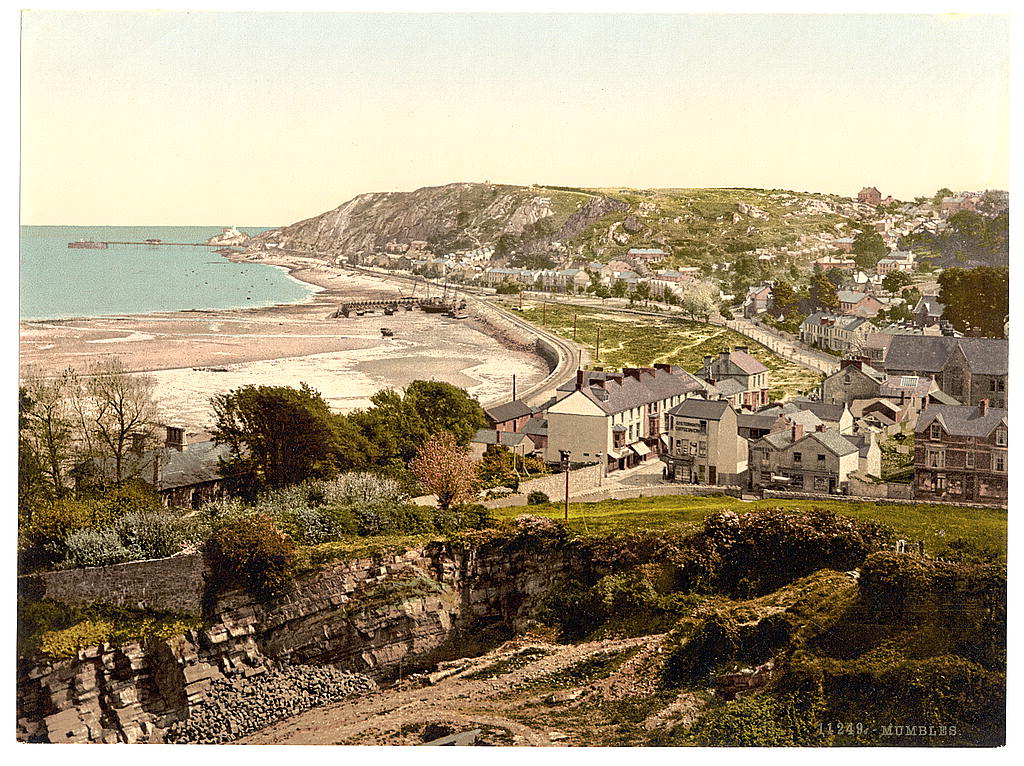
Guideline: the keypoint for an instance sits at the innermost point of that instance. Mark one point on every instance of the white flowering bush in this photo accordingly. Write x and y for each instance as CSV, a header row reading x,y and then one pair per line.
x,y
95,548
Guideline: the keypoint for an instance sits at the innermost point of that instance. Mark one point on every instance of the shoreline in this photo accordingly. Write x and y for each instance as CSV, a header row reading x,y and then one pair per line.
x,y
196,353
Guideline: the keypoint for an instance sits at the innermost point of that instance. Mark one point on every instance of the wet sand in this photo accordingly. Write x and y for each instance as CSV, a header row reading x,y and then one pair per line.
x,y
195,354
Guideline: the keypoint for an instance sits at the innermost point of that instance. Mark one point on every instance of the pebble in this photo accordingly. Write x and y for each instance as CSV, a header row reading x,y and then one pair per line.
x,y
234,710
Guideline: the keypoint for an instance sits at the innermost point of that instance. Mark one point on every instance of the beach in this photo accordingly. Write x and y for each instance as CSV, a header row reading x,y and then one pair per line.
x,y
192,355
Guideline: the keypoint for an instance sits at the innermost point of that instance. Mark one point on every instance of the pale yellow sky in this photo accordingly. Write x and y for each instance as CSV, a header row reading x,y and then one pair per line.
x,y
264,119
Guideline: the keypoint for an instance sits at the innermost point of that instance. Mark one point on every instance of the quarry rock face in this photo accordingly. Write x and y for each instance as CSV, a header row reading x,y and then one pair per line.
x,y
347,624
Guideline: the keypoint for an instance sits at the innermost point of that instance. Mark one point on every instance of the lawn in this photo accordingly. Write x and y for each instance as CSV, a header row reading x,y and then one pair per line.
x,y
936,525
631,341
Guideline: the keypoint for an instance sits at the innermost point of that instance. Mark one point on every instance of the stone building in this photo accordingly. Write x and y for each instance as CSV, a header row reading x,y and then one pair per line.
x,y
738,376
836,332
968,369
704,445
960,454
819,461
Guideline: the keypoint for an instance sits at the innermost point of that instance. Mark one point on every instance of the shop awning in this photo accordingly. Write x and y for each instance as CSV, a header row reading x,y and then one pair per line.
x,y
614,455
640,449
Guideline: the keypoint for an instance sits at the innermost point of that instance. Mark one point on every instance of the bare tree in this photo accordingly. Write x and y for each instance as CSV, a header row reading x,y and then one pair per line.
x,y
115,410
48,421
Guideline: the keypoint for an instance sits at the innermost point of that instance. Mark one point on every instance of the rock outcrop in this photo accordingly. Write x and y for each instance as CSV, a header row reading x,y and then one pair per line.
x,y
363,616
230,237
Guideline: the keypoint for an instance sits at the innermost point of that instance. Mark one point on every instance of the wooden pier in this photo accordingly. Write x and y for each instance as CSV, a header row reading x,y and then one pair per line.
x,y
358,307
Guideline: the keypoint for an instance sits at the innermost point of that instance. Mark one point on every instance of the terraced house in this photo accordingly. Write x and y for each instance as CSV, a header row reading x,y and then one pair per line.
x,y
818,461
968,369
836,332
738,377
704,445
616,418
960,454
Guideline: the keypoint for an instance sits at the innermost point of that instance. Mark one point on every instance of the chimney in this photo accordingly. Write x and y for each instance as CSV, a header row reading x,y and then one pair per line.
x,y
580,377
797,432
138,443
983,407
175,438
723,355
707,359
744,349
666,367
820,427
631,372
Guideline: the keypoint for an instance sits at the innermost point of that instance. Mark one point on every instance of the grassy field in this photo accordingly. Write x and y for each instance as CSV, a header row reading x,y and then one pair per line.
x,y
936,525
628,342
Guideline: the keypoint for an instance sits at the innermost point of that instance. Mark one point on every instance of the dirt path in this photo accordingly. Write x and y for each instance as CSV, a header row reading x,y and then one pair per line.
x,y
465,696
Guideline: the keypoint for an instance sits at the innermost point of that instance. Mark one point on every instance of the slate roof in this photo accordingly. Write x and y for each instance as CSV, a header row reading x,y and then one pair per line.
x,y
501,438
744,362
196,464
730,387
842,321
862,442
701,409
852,296
908,385
623,392
509,411
961,420
931,305
831,440
755,421
930,354
825,411
536,427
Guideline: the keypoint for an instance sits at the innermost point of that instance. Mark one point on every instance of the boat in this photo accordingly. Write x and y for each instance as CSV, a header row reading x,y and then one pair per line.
x,y
88,244
457,314
389,311
436,305
387,332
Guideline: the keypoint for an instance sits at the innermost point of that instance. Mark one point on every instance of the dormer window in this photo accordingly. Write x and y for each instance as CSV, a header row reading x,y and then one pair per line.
x,y
1001,437
936,431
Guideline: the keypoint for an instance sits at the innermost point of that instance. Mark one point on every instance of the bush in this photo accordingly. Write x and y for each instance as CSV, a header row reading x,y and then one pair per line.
x,y
537,498
95,548
131,497
43,538
153,535
402,519
711,645
251,553
759,721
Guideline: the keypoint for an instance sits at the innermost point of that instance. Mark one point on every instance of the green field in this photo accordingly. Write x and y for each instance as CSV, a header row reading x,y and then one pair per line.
x,y
936,525
631,341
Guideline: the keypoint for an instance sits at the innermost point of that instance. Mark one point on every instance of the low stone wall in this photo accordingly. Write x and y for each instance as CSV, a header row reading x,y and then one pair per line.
x,y
776,494
884,490
553,485
174,584
660,490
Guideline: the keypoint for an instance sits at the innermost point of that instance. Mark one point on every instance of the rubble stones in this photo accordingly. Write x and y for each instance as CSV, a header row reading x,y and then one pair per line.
x,y
242,706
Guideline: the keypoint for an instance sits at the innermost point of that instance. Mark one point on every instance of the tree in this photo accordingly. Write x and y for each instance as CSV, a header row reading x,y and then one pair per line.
x,y
446,469
46,433
823,291
895,281
977,300
941,194
699,302
785,301
444,407
618,288
602,292
116,412
283,435
497,468
868,249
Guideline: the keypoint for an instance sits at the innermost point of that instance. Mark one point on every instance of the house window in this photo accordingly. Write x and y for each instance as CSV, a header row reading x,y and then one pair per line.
x,y
936,459
1001,437
940,483
821,483
797,457
703,447
821,460
969,459
999,460
1001,385
936,431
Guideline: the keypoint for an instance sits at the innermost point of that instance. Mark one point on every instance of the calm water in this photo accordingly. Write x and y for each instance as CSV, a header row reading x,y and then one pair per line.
x,y
60,282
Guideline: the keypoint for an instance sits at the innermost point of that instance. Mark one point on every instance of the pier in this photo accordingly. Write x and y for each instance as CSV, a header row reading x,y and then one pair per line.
x,y
358,307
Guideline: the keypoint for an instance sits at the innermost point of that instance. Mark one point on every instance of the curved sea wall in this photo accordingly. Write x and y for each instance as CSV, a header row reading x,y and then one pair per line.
x,y
369,615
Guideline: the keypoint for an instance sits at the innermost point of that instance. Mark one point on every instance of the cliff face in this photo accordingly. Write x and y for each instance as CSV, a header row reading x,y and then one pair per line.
x,y
457,215
366,615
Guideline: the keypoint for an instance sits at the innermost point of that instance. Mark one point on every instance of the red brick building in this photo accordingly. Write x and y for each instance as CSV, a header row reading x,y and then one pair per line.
x,y
960,454
870,196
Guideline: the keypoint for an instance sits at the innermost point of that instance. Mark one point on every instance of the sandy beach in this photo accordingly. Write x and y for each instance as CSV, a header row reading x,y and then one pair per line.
x,y
193,355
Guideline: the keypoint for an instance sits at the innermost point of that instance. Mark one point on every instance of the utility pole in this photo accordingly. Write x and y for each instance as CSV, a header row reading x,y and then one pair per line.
x,y
565,469
544,313
597,351
513,387
520,299
574,326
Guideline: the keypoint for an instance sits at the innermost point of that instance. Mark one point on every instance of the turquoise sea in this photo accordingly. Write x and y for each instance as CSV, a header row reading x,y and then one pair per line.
x,y
58,282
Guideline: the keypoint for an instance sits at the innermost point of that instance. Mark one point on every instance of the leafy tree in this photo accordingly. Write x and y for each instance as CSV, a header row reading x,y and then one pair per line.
x,y
508,288
444,407
393,426
283,435
46,431
977,300
619,288
699,302
868,249
941,194
894,281
497,468
602,292
785,300
446,469
823,291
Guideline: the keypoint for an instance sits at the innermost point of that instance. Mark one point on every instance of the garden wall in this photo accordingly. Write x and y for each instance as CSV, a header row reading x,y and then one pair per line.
x,y
777,494
173,584
885,490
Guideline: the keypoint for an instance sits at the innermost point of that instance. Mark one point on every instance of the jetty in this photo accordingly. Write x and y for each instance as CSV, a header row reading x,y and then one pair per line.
x,y
389,306
91,244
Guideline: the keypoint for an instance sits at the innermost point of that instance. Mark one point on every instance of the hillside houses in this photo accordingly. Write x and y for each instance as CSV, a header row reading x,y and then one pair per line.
x,y
968,369
738,377
819,461
853,303
836,332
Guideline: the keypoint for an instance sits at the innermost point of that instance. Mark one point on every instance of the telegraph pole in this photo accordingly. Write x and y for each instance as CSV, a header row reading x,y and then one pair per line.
x,y
565,469
544,313
513,387
597,351
574,326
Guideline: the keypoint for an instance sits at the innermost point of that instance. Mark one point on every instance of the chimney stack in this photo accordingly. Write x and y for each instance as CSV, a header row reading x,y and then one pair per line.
x,y
580,376
138,443
744,349
175,438
797,432
820,427
723,355
707,359
983,407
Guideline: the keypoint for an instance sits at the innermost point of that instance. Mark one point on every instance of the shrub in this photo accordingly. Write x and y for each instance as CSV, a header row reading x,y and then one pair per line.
x,y
95,548
365,490
130,497
537,498
713,643
758,721
252,553
152,535
42,539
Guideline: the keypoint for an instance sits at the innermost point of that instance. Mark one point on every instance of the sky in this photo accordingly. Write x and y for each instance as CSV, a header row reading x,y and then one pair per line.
x,y
262,119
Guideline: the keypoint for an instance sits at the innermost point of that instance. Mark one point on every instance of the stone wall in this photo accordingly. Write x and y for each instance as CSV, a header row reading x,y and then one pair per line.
x,y
776,494
884,490
173,584
368,615
581,480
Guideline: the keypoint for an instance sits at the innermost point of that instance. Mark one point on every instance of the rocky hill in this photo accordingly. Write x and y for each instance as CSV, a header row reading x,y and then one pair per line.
x,y
697,226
